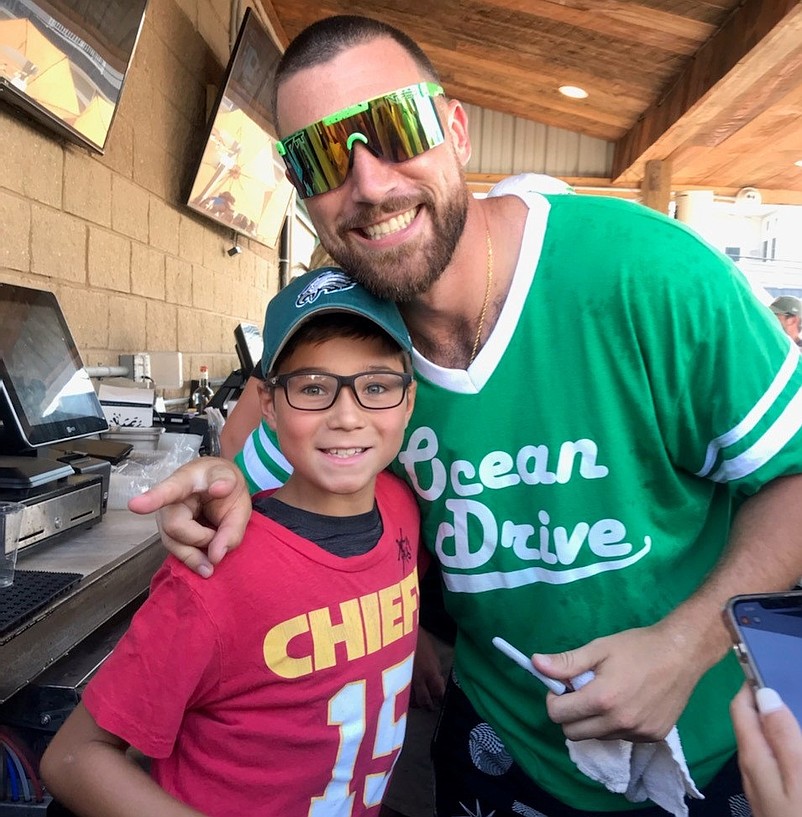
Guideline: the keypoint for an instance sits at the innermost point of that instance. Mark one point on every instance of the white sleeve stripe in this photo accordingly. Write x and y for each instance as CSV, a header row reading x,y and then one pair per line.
x,y
776,436
255,469
756,413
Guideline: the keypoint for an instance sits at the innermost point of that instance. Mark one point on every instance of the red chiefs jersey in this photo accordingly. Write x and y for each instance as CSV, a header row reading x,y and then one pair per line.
x,y
280,685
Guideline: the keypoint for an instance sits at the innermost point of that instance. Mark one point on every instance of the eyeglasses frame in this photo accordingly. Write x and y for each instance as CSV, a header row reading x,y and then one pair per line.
x,y
342,380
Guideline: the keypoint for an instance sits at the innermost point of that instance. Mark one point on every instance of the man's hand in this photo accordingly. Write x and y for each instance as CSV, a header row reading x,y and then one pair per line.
x,y
203,509
642,684
769,753
645,676
428,679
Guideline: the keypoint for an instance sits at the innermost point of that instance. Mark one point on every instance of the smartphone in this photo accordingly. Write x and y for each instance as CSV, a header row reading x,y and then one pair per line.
x,y
766,630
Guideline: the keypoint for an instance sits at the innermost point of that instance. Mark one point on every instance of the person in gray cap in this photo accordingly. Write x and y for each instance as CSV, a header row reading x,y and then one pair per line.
x,y
788,310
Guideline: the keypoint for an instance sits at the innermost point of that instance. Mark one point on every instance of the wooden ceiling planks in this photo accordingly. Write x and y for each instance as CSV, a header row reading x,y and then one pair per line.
x,y
724,71
650,28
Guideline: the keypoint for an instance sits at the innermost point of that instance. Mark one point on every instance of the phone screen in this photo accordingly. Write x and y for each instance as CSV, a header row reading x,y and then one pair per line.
x,y
771,631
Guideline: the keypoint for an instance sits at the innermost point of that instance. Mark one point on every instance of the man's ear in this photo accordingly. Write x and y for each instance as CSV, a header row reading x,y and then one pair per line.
x,y
457,125
268,405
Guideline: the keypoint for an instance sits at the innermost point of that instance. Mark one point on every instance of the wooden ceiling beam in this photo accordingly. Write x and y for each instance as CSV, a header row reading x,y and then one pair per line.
x,y
620,20
629,89
752,61
561,47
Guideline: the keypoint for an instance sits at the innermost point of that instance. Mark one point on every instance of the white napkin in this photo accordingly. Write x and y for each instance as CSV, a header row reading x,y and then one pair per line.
x,y
640,771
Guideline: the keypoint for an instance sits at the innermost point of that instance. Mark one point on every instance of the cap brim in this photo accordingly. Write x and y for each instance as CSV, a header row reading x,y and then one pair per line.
x,y
324,309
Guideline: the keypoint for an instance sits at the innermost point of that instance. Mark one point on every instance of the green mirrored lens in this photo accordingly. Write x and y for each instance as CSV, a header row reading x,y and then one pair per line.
x,y
397,127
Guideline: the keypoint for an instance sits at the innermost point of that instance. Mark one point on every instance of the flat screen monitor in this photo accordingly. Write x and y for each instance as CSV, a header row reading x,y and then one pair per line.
x,y
45,390
239,180
249,346
64,62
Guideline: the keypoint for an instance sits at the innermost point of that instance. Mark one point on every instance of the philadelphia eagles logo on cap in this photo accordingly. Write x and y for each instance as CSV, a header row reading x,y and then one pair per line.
x,y
328,282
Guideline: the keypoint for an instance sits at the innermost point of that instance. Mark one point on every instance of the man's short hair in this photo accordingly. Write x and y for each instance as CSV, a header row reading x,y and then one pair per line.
x,y
786,305
325,39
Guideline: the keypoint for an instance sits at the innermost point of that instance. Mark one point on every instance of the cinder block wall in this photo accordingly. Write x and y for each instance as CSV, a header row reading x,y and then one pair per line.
x,y
133,268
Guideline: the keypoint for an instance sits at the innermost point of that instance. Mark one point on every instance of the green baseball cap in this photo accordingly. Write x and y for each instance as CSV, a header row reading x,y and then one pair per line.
x,y
327,289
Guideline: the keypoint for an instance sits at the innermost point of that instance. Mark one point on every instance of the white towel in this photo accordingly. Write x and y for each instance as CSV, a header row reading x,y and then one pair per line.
x,y
640,771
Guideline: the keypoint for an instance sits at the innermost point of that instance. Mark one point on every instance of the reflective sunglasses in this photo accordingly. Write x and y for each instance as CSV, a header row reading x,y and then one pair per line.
x,y
396,126
317,391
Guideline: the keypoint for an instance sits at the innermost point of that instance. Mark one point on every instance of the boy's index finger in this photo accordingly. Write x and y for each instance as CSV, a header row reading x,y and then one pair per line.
x,y
215,478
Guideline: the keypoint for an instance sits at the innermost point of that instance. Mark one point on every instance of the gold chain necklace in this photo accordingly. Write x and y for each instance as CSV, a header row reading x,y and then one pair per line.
x,y
488,287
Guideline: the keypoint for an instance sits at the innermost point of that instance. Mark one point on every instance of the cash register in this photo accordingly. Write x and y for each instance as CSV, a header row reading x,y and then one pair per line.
x,y
47,405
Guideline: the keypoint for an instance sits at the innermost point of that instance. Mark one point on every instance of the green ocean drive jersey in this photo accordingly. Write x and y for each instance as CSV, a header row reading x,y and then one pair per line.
x,y
580,478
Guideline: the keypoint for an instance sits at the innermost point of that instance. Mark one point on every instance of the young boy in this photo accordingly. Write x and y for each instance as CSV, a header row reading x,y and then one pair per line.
x,y
281,687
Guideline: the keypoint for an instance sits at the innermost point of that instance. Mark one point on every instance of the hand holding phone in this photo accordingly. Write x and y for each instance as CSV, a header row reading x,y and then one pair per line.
x,y
769,752
766,630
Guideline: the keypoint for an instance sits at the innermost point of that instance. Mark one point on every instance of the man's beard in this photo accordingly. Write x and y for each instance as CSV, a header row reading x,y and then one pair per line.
x,y
399,274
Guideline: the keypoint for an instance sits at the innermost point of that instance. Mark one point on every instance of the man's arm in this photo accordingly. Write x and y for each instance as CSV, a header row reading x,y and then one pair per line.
x,y
241,420
645,676
86,769
203,509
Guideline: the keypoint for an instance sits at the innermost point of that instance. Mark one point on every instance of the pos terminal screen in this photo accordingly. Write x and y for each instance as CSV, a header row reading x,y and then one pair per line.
x,y
47,392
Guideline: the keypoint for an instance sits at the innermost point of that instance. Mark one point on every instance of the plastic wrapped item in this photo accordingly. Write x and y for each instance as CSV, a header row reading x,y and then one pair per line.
x,y
183,440
143,439
141,470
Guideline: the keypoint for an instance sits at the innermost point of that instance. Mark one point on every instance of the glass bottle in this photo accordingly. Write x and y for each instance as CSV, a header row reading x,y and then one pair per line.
x,y
203,393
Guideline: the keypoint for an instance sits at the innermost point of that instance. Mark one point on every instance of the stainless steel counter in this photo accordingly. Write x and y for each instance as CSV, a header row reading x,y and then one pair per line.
x,y
117,558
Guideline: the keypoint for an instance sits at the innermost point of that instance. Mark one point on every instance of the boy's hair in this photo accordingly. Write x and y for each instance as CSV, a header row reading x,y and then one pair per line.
x,y
328,325
325,39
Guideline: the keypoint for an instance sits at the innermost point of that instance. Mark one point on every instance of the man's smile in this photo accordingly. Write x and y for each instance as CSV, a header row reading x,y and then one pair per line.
x,y
391,225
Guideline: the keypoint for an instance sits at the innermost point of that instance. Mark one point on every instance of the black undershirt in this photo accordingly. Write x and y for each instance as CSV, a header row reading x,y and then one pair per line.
x,y
342,536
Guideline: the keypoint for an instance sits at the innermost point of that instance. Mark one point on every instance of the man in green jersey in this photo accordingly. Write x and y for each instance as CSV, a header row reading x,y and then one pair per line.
x,y
593,499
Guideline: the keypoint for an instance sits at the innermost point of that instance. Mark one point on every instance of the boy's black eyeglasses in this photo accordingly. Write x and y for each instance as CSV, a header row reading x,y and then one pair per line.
x,y
317,391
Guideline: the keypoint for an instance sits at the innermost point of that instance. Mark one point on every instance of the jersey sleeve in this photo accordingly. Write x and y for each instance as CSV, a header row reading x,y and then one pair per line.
x,y
164,664
261,461
726,381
